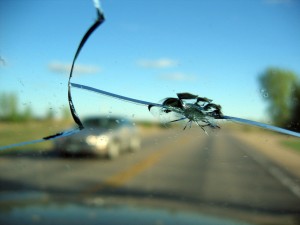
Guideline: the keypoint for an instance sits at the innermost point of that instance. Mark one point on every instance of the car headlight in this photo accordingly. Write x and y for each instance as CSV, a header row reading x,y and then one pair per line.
x,y
91,140
99,141
102,141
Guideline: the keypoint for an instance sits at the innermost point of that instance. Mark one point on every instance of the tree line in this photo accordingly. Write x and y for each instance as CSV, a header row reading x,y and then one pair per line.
x,y
279,87
10,111
281,90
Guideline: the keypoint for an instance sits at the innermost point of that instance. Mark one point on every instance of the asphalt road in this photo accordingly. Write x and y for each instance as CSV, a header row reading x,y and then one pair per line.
x,y
217,174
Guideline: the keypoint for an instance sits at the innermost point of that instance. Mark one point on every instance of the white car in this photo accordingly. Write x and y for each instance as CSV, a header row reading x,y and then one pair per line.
x,y
102,136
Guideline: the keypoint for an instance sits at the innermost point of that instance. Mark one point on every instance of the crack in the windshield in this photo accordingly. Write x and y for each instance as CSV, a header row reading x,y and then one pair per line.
x,y
198,113
202,112
100,19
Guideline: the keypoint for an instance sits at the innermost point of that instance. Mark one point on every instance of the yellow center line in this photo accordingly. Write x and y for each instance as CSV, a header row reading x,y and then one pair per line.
x,y
121,178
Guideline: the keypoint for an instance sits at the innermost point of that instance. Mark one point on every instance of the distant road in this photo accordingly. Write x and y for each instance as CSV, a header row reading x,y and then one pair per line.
x,y
217,174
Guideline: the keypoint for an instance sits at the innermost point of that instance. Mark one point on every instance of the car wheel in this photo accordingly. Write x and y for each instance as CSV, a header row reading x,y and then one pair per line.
x,y
62,153
113,150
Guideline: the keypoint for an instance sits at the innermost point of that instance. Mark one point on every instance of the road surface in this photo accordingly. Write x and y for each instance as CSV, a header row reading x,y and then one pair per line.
x,y
216,175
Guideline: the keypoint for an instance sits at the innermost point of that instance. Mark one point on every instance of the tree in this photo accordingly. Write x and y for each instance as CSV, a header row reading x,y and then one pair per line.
x,y
27,114
9,110
50,114
279,86
65,113
295,123
3,106
9,107
13,108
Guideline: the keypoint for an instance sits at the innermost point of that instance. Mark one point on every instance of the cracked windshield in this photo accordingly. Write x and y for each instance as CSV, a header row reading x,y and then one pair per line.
x,y
150,112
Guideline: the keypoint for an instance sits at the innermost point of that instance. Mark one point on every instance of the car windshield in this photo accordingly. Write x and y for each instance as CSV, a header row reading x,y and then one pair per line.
x,y
102,122
150,112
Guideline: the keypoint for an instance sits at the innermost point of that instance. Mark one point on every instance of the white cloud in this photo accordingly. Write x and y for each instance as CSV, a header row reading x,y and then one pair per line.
x,y
59,67
276,2
157,63
178,77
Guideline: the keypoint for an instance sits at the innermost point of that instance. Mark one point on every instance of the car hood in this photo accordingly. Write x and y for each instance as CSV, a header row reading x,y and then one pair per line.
x,y
39,208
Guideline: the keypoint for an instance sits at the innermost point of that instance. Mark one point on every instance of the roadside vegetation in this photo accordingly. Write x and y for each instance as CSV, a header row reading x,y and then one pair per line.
x,y
15,132
294,144
280,88
19,125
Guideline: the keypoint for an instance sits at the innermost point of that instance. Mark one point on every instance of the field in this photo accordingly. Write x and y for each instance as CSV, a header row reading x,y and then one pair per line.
x,y
292,144
11,133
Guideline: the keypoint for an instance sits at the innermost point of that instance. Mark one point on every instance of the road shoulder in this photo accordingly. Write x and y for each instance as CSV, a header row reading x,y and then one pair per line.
x,y
269,145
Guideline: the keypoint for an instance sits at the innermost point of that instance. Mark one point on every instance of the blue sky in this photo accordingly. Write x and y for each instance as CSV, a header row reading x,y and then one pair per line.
x,y
146,49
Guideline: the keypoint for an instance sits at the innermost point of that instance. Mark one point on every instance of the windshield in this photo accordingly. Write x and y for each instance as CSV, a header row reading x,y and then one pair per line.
x,y
102,122
197,105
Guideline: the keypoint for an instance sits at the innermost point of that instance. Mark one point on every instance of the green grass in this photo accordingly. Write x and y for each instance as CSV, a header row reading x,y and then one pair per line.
x,y
295,145
11,133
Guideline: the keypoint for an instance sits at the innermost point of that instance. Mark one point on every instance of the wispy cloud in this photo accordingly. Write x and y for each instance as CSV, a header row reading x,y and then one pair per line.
x,y
2,61
178,77
157,63
59,67
276,2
